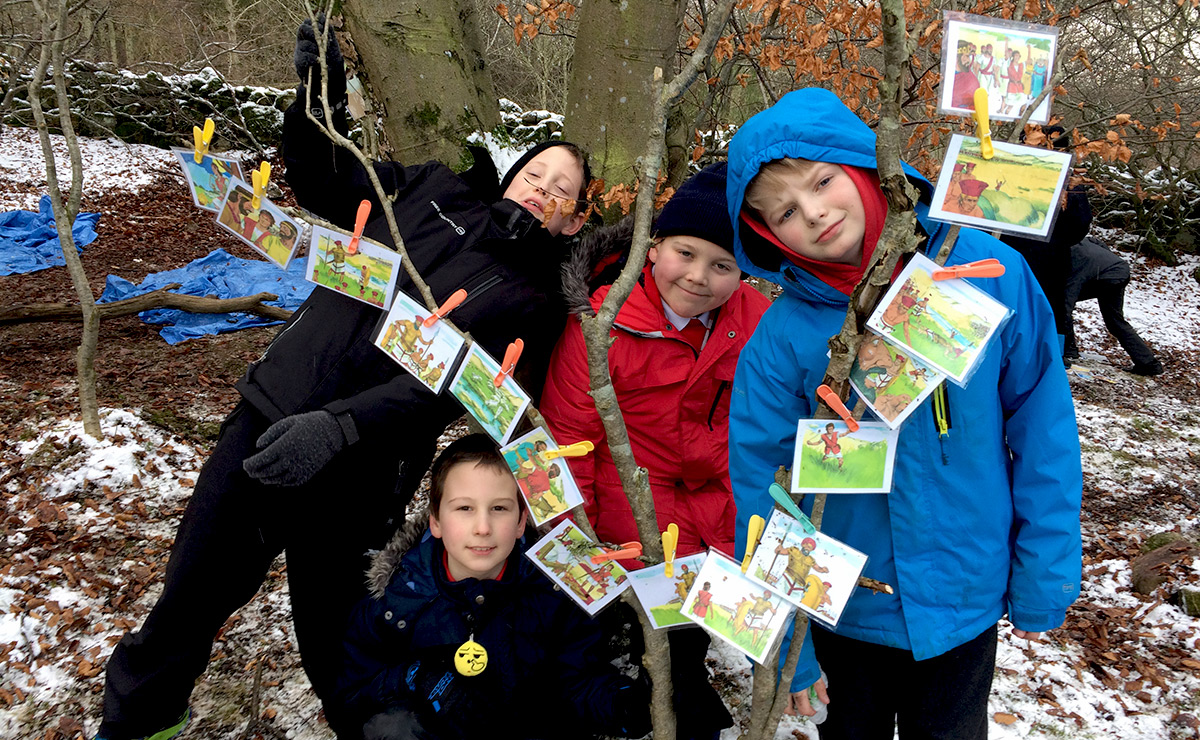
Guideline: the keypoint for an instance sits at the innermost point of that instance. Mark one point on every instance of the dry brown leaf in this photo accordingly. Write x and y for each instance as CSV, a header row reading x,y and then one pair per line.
x,y
1004,718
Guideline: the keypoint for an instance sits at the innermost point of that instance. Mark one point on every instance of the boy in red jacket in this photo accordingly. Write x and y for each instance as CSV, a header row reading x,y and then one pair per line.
x,y
675,347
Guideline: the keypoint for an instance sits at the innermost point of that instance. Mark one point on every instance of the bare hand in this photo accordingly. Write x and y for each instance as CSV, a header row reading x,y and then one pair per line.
x,y
799,703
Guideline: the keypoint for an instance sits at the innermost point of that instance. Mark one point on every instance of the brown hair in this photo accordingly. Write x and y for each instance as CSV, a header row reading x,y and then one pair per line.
x,y
475,449
581,158
772,176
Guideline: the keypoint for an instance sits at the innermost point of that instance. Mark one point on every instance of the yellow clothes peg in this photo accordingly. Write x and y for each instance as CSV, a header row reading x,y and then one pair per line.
x,y
670,539
757,525
259,178
982,126
203,139
579,449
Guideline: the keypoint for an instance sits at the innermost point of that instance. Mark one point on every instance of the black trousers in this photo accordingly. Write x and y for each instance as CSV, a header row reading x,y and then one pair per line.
x,y
873,690
1110,294
232,530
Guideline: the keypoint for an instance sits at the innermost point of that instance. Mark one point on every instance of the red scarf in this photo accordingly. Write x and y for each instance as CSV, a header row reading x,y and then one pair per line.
x,y
837,275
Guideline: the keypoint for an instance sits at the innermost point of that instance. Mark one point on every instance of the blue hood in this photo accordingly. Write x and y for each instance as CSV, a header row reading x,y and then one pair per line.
x,y
811,124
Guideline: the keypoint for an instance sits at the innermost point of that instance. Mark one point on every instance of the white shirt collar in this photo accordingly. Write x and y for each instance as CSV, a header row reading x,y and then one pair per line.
x,y
679,322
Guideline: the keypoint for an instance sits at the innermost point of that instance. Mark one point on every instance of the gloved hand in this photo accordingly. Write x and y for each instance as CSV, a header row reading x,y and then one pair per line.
x,y
631,708
294,448
307,57
450,705
395,724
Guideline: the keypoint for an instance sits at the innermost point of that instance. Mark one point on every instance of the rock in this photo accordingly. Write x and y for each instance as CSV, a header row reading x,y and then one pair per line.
x,y
1157,540
1187,599
1145,570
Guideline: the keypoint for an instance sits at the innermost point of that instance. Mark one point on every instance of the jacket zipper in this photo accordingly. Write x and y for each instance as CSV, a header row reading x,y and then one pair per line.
x,y
475,292
716,401
941,418
280,335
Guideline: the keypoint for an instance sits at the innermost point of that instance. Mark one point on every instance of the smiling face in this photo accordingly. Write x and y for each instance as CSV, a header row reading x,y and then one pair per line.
x,y
693,275
554,173
815,211
478,519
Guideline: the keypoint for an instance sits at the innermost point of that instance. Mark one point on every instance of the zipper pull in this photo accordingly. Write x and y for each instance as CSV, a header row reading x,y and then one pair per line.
x,y
941,418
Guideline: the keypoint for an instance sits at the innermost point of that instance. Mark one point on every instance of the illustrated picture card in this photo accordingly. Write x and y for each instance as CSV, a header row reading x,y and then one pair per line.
x,y
811,570
427,353
266,229
1016,191
946,324
661,597
369,275
831,459
547,485
497,409
565,556
891,382
209,180
1012,61
736,609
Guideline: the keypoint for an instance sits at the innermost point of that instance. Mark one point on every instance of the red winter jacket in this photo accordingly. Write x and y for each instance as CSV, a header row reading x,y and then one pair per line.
x,y
676,408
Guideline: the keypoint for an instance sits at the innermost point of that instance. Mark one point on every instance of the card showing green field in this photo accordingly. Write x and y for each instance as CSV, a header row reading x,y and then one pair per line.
x,y
208,179
946,324
369,275
428,353
832,459
892,383
661,597
810,569
736,609
545,481
497,409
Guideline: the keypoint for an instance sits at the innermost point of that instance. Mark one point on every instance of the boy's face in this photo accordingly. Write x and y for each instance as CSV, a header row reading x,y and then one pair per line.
x,y
818,214
693,275
479,520
553,173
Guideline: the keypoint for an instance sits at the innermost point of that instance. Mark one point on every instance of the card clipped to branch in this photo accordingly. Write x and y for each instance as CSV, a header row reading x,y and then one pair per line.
x,y
1016,191
565,556
661,597
498,409
830,458
427,353
891,382
945,324
1012,61
737,610
208,180
368,275
266,229
809,569
547,484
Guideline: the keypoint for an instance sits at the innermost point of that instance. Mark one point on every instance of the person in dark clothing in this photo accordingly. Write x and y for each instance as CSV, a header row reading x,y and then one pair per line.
x,y
463,637
1096,272
331,438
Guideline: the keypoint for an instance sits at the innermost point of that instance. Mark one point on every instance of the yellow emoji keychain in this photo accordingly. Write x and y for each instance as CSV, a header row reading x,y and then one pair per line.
x,y
471,658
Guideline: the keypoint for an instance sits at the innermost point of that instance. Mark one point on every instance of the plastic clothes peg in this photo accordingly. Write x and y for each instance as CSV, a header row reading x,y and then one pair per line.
x,y
982,126
990,267
670,539
826,394
456,298
510,362
203,139
627,551
579,449
360,222
784,499
757,525
259,178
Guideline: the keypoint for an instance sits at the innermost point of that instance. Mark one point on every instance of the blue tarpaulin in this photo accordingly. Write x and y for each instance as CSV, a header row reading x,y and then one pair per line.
x,y
29,241
220,275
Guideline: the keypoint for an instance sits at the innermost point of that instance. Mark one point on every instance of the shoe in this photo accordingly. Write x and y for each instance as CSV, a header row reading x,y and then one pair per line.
x,y
1153,368
164,734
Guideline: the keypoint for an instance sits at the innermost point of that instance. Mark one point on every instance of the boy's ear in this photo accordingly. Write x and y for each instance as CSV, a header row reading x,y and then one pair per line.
x,y
653,253
435,528
573,226
524,517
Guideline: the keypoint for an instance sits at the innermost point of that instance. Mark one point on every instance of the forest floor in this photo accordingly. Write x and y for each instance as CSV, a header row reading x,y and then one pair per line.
x,y
86,525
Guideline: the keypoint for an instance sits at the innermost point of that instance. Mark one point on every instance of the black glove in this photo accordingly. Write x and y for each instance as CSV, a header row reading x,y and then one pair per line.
x,y
306,58
451,705
294,448
395,724
631,708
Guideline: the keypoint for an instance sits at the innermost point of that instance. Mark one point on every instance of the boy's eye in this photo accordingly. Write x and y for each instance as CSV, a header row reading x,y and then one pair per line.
x,y
824,181
723,267
787,214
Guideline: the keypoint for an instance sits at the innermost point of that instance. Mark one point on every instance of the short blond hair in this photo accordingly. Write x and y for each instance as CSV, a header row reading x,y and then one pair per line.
x,y
772,176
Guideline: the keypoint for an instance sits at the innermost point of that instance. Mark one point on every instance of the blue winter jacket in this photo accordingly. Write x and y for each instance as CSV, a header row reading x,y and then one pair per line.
x,y
978,525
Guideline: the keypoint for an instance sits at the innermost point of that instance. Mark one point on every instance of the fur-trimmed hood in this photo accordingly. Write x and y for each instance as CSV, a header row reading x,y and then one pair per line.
x,y
594,261
387,561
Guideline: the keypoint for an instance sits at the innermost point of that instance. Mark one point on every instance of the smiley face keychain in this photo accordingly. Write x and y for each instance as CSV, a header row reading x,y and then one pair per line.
x,y
470,659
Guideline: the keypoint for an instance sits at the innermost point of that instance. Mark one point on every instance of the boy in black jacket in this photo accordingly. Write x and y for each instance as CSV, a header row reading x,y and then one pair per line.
x,y
463,637
331,438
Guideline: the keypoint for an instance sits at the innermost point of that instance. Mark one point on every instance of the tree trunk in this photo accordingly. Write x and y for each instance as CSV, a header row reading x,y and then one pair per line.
x,y
610,99
424,63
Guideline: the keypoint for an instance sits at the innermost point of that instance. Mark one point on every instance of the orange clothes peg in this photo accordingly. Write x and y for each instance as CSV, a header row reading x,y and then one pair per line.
x,y
826,394
627,551
990,267
510,362
451,303
360,222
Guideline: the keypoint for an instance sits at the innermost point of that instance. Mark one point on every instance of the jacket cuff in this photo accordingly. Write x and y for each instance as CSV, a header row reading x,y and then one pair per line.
x,y
345,420
1035,620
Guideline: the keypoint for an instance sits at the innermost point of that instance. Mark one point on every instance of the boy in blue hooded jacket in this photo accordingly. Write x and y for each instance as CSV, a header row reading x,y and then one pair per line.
x,y
981,522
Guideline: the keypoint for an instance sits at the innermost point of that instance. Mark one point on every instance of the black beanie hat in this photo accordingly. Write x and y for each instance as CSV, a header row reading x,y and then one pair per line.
x,y
527,156
698,209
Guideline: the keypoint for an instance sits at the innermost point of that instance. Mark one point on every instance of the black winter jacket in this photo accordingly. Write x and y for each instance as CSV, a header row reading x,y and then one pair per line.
x,y
544,677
